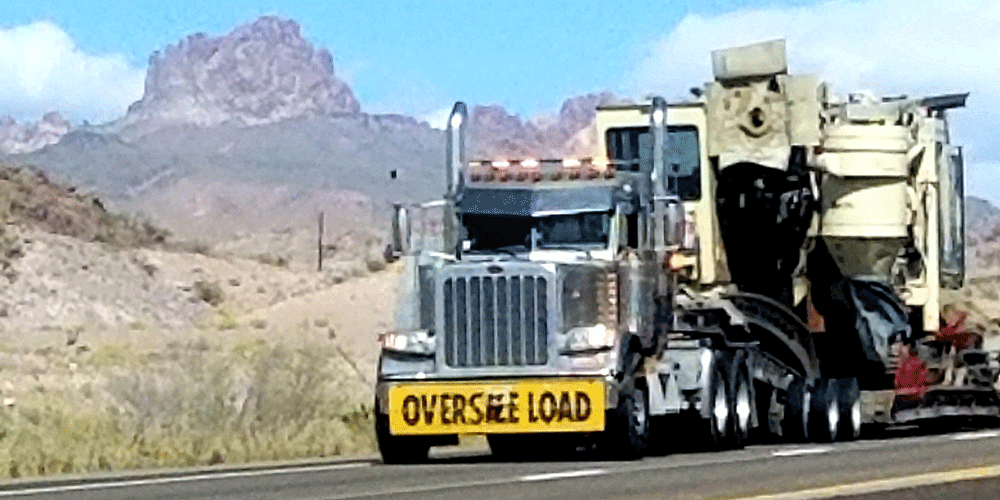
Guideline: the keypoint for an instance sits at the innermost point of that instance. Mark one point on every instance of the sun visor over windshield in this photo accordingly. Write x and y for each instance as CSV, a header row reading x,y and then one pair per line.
x,y
524,202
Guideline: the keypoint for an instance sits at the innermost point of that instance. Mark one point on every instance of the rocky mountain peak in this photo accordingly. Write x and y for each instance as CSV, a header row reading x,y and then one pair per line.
x,y
496,133
258,73
16,138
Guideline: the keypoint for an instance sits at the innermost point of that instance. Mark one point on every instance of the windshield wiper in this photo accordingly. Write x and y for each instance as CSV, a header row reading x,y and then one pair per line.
x,y
583,247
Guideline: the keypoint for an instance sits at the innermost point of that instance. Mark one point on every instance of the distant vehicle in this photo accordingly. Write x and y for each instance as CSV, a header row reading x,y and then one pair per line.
x,y
754,262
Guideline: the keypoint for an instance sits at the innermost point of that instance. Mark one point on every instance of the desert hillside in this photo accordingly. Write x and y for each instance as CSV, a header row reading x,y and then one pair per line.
x,y
133,334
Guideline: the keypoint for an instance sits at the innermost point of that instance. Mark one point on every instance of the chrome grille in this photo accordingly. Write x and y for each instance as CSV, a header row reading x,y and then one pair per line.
x,y
495,321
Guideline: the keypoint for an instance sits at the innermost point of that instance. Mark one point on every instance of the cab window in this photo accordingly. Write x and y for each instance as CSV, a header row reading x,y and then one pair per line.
x,y
630,148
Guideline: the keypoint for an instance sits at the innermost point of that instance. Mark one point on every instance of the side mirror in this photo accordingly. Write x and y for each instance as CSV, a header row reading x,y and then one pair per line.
x,y
401,231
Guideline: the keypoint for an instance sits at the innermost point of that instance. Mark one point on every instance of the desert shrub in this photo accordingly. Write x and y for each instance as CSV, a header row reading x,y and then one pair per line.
x,y
113,355
210,292
375,264
271,259
254,402
227,321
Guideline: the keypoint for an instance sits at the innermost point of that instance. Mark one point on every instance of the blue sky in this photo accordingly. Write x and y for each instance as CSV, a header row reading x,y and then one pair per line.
x,y
87,58
408,54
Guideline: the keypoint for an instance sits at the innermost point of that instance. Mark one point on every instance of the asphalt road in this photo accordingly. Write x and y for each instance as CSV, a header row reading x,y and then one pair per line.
x,y
954,466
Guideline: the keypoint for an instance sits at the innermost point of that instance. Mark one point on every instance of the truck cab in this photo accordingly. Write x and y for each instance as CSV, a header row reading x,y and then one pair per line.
x,y
620,132
534,314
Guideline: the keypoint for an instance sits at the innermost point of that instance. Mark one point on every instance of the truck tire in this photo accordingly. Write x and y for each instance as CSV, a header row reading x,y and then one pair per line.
x,y
824,412
849,402
626,435
742,404
398,449
795,422
717,428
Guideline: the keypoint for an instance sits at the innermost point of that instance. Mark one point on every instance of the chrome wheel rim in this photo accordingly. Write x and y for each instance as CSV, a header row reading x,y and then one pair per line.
x,y
856,417
833,417
720,409
638,412
806,403
743,408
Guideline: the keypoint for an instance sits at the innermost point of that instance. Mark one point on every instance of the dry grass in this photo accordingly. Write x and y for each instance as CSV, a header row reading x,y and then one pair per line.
x,y
121,408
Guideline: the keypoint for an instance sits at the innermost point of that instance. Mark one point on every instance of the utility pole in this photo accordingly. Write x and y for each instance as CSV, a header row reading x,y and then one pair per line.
x,y
319,246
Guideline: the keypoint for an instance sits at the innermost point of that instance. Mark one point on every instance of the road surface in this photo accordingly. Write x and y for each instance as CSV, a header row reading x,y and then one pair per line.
x,y
954,466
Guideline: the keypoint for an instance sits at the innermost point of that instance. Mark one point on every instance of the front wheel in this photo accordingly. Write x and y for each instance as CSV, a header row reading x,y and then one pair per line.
x,y
627,432
398,449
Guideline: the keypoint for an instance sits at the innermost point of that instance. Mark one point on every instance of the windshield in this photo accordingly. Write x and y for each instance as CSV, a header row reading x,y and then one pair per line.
x,y
585,231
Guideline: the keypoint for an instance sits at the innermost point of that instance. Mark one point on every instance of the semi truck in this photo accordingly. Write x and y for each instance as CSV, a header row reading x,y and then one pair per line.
x,y
764,261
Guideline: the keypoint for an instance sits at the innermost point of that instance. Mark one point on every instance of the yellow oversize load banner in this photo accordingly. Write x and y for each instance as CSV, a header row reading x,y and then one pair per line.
x,y
517,406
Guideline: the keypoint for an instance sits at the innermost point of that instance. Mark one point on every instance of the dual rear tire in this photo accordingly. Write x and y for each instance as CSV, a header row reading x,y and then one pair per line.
x,y
829,411
728,415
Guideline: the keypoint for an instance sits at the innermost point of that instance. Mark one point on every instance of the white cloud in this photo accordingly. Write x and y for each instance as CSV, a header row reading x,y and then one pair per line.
x,y
438,118
42,69
916,47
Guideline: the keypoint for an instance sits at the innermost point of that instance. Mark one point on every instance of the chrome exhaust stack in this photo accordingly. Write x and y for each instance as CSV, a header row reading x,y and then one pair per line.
x,y
667,210
454,164
455,158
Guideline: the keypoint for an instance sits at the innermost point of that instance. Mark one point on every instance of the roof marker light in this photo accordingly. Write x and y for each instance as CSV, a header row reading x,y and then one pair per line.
x,y
571,162
658,116
501,164
529,163
456,120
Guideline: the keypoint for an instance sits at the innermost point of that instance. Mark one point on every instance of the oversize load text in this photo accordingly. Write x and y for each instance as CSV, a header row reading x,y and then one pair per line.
x,y
508,407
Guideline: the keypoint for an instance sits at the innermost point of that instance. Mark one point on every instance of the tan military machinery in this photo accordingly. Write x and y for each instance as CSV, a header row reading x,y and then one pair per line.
x,y
848,212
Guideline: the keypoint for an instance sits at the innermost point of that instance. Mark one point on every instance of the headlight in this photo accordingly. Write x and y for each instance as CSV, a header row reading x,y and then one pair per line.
x,y
418,342
589,338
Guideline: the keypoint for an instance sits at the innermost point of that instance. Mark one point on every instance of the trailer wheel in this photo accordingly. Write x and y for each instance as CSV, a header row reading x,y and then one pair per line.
x,y
795,422
717,428
849,401
824,412
627,432
398,449
742,405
